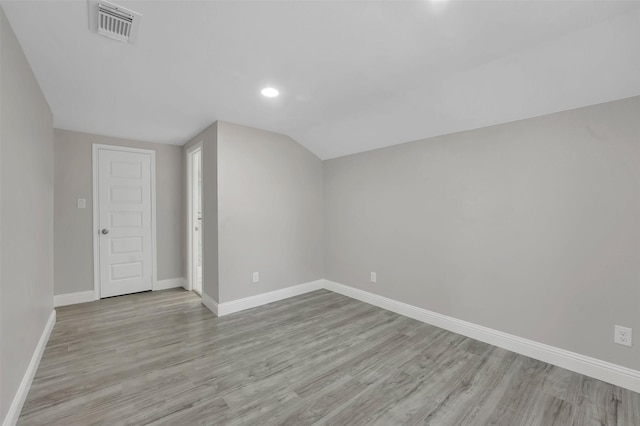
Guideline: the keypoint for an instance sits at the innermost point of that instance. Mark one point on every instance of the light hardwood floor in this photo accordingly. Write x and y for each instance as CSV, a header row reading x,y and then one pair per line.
x,y
163,358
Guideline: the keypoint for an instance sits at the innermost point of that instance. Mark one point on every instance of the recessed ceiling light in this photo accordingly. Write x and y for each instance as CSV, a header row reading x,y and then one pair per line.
x,y
269,92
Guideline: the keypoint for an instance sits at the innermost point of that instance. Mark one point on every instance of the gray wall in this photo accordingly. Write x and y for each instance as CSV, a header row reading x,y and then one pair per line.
x,y
73,230
530,227
209,138
26,218
270,212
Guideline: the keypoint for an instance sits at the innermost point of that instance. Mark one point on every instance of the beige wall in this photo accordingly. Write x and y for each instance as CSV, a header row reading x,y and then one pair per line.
x,y
26,218
270,212
73,235
530,227
209,138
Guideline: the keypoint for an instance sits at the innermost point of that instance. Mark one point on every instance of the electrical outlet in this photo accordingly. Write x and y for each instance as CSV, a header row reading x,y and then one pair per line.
x,y
374,277
623,335
256,277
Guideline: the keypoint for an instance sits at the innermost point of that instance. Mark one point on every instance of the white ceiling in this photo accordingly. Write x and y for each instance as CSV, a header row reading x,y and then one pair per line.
x,y
353,75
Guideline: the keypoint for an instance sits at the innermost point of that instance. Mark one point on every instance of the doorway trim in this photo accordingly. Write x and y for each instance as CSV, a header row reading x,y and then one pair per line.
x,y
96,213
190,224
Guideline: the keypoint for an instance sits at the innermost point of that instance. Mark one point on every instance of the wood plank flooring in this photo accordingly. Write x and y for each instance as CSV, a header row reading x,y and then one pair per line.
x,y
321,358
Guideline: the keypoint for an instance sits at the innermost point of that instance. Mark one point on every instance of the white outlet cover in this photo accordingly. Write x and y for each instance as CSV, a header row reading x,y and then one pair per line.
x,y
82,203
256,277
374,277
623,335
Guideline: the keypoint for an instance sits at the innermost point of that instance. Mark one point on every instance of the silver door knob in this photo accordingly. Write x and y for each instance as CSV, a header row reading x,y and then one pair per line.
x,y
105,231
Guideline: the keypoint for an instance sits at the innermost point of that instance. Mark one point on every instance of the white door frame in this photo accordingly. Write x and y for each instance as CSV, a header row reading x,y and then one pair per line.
x,y
190,223
96,213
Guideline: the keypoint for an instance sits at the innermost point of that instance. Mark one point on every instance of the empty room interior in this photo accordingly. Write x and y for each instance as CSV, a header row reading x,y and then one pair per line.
x,y
418,212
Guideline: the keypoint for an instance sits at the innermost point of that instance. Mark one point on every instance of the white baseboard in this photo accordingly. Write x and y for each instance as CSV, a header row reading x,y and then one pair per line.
x,y
90,296
601,370
21,395
170,283
270,297
73,298
210,303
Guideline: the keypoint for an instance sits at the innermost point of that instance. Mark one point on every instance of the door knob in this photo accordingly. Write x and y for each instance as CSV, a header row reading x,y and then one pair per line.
x,y
105,231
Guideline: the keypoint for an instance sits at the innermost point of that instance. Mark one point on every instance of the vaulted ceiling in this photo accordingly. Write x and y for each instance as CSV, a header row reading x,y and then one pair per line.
x,y
352,75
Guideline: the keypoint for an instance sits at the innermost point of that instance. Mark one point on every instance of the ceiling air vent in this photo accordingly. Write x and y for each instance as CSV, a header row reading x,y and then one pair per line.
x,y
117,22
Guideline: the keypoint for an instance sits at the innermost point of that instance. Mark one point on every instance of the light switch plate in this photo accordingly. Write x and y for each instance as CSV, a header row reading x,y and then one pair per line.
x,y
82,203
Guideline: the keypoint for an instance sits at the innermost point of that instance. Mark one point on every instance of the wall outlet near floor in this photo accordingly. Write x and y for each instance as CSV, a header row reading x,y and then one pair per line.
x,y
256,277
374,277
622,335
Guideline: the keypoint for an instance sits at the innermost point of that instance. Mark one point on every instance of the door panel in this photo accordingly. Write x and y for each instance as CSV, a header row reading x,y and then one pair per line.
x,y
125,228
195,158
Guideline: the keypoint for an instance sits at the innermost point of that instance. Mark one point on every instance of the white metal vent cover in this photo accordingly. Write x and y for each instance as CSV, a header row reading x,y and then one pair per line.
x,y
117,22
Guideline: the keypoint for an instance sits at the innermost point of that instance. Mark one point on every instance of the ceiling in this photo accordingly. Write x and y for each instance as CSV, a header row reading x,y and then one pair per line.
x,y
352,75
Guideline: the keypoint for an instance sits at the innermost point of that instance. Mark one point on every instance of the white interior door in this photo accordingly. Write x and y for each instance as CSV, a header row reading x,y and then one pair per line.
x,y
196,219
125,221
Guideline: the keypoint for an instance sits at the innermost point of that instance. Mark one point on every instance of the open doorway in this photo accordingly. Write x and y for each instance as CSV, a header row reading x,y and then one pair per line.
x,y
194,179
